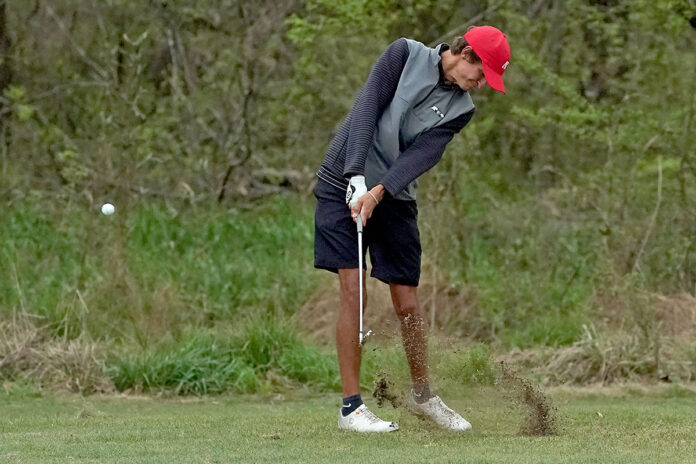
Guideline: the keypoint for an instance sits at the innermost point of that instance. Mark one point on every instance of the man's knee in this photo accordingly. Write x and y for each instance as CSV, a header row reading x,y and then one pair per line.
x,y
350,287
406,311
407,308
405,302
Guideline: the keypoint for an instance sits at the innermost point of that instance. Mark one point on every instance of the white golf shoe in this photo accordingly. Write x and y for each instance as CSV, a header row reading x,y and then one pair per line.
x,y
438,412
364,420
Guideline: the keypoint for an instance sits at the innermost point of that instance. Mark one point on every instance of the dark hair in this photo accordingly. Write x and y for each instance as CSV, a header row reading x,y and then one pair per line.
x,y
459,44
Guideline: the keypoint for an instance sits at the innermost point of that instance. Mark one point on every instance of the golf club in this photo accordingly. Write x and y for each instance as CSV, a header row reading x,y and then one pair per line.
x,y
361,338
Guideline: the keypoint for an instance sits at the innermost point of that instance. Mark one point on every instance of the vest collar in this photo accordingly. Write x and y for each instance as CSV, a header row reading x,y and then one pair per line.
x,y
437,57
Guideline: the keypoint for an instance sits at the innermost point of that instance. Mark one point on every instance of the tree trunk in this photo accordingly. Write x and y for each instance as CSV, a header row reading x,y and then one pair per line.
x,y
5,68
5,79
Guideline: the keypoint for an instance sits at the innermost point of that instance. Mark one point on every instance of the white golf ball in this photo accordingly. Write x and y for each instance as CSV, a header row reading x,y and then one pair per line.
x,y
107,209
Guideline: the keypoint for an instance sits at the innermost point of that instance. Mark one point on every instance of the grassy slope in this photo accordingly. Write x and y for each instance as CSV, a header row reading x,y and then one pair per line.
x,y
173,296
634,427
150,271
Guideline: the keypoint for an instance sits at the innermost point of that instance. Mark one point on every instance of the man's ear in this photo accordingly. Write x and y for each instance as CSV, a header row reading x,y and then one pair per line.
x,y
466,52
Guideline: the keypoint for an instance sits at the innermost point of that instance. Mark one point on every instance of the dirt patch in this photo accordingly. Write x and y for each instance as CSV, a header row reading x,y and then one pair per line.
x,y
384,392
318,316
676,314
446,308
539,415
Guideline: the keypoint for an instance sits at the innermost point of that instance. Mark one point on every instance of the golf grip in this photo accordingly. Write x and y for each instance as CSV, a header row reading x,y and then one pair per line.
x,y
360,276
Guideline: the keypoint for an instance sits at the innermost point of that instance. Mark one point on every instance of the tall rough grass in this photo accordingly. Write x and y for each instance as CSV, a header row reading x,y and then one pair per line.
x,y
151,270
135,298
537,262
165,292
30,352
603,357
264,356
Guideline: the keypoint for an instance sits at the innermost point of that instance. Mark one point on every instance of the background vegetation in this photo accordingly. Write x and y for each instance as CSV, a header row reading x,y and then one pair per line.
x,y
563,215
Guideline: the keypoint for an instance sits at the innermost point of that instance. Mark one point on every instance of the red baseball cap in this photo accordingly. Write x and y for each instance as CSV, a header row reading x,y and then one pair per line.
x,y
492,47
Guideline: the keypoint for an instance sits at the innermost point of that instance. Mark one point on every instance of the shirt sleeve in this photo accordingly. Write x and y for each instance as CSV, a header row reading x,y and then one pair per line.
x,y
373,99
422,154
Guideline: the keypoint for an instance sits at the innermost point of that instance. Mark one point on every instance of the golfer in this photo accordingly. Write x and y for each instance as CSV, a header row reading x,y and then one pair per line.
x,y
415,100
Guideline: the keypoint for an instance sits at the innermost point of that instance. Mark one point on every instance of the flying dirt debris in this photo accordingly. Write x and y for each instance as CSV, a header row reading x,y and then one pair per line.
x,y
540,416
383,392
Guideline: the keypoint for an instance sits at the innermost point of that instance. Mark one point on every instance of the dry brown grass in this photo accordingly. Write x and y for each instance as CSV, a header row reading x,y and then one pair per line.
x,y
28,352
638,336
676,314
612,357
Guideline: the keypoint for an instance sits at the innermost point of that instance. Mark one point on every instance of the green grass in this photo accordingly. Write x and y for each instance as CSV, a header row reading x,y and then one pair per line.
x,y
155,272
269,357
635,426
200,299
152,270
263,356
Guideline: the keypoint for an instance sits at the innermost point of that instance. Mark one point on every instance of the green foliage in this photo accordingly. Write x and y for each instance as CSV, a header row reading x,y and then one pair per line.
x,y
574,187
469,366
451,365
166,87
152,270
333,59
199,366
258,357
14,93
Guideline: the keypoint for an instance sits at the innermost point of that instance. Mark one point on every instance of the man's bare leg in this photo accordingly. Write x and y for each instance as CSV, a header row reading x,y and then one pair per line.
x,y
405,301
355,415
413,332
347,327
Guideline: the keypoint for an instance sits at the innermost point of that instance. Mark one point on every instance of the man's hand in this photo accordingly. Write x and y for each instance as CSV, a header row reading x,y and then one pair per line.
x,y
356,189
360,200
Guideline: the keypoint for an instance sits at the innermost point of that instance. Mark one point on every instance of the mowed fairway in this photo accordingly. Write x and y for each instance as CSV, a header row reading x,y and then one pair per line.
x,y
626,426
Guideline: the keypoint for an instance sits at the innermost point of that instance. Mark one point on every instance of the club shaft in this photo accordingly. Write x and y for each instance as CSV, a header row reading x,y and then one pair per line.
x,y
360,276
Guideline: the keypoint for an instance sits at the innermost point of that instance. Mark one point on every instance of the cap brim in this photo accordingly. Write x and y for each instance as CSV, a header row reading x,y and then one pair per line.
x,y
494,79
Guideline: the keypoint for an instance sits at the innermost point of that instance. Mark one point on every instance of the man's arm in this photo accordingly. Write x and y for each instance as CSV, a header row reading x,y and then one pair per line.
x,y
373,99
422,155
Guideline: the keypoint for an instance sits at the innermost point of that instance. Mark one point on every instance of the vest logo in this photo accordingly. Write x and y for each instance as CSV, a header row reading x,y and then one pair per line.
x,y
438,112
505,65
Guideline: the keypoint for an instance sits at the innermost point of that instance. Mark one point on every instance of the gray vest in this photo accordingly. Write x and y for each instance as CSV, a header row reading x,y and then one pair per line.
x,y
419,104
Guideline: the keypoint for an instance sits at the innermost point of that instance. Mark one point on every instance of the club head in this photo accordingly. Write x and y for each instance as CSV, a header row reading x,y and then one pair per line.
x,y
363,337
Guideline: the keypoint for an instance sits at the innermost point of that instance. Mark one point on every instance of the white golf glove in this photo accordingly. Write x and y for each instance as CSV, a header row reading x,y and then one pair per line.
x,y
356,189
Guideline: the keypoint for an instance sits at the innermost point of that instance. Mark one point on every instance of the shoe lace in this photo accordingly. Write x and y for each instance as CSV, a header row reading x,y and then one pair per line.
x,y
370,416
441,406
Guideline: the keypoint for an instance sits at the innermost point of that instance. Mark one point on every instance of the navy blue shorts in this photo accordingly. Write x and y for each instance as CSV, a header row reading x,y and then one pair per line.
x,y
391,236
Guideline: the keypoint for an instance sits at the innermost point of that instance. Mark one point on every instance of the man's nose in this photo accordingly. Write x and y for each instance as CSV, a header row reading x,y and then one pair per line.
x,y
482,83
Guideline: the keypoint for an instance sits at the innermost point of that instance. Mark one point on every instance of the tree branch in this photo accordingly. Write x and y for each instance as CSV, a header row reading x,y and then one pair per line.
x,y
462,27
636,264
95,67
